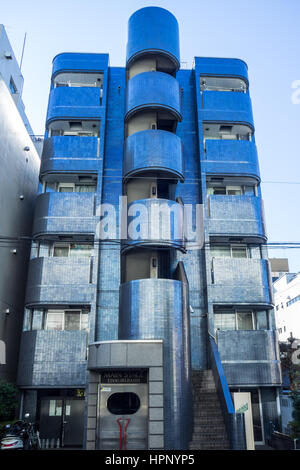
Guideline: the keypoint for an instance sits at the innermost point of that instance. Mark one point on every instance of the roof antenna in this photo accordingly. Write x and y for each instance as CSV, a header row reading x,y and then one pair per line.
x,y
23,51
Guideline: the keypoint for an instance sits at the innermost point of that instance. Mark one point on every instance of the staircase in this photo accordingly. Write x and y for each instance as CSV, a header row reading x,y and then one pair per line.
x,y
209,431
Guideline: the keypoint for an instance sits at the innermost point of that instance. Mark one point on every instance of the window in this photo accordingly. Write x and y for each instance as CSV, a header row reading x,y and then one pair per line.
x,y
209,83
71,249
237,190
235,251
126,403
12,86
78,79
87,187
67,320
238,319
292,301
229,251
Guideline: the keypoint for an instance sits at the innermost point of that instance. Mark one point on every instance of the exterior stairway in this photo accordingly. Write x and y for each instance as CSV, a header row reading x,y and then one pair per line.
x,y
209,431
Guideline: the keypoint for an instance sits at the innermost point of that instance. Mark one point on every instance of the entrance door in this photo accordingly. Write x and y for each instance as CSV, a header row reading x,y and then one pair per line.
x,y
61,422
123,416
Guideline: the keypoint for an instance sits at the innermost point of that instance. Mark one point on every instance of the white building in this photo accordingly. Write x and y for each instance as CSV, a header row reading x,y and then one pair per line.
x,y
287,305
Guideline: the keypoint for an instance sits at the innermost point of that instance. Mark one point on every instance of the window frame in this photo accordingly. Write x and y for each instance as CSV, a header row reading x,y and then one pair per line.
x,y
81,312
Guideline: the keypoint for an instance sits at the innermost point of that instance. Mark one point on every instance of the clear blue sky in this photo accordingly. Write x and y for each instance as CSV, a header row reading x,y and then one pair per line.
x,y
265,33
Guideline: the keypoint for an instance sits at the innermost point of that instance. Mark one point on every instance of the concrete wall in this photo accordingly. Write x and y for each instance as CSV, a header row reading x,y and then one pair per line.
x,y
18,177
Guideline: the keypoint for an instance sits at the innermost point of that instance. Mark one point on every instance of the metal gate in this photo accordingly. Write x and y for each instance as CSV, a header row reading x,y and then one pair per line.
x,y
123,416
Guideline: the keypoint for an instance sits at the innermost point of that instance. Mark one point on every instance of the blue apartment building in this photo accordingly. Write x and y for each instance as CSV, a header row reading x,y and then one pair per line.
x,y
135,337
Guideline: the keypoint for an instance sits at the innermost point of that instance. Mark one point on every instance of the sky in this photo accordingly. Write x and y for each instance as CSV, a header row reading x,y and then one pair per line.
x,y
264,33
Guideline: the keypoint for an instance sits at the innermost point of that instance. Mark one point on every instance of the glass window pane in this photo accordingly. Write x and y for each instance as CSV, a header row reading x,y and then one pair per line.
x,y
239,251
80,250
50,187
210,191
84,321
261,320
250,190
219,251
255,252
85,188
234,190
220,190
60,251
66,189
224,321
244,321
72,320
55,321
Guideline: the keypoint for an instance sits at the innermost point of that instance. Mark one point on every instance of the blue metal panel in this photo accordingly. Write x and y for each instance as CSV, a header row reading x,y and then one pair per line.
x,y
226,106
231,158
157,309
250,357
153,150
74,102
240,281
64,213
153,90
160,223
221,66
56,281
236,215
70,153
153,29
53,359
78,61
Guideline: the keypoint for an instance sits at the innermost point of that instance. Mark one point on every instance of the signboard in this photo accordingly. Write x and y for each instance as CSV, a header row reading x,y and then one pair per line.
x,y
124,376
242,404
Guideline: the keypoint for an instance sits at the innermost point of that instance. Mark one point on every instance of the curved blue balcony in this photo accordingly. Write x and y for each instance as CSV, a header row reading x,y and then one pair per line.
x,y
221,66
231,157
153,150
72,154
60,213
155,222
227,106
74,102
150,308
54,281
240,281
153,90
153,30
52,358
79,61
236,215
250,357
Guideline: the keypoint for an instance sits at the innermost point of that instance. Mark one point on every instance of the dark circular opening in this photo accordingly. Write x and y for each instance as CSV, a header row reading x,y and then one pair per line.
x,y
126,403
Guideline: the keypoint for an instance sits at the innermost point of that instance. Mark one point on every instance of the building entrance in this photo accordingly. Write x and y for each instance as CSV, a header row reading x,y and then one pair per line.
x,y
61,421
123,413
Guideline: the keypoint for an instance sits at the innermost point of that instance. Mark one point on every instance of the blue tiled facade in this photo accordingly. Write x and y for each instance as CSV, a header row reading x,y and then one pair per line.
x,y
171,152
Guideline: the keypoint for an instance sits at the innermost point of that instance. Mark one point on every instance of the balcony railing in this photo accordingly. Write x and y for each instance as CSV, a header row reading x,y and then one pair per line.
x,y
64,213
153,150
236,215
54,281
229,157
240,281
